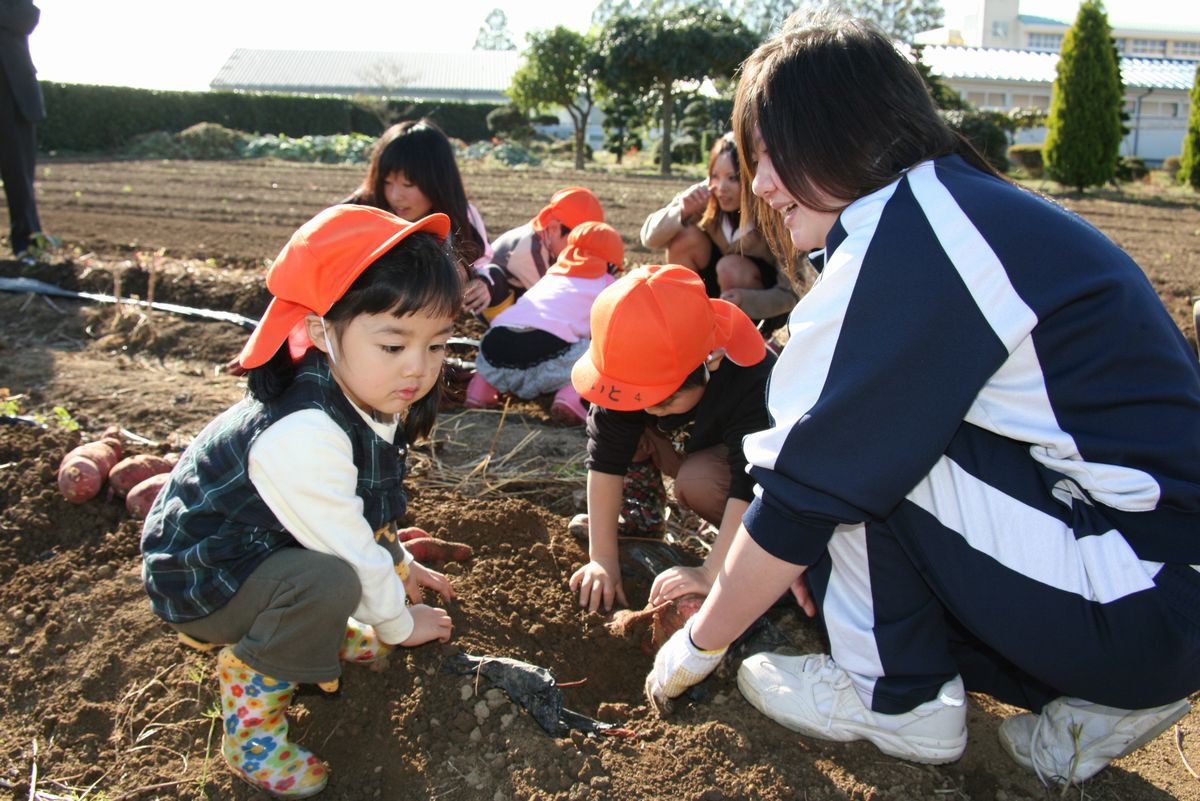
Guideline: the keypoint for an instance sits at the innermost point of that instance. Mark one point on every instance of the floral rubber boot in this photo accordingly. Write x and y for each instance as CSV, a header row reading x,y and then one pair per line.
x,y
644,502
361,645
255,744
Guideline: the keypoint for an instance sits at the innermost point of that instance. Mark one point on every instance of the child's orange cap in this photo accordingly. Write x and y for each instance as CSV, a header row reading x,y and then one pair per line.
x,y
650,330
572,206
320,262
591,247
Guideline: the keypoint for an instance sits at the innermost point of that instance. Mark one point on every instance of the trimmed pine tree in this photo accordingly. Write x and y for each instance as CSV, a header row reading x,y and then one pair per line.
x,y
1083,128
1189,161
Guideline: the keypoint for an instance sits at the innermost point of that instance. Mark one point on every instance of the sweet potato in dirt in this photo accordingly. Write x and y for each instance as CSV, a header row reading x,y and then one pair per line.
x,y
82,472
133,470
411,533
141,498
430,549
653,625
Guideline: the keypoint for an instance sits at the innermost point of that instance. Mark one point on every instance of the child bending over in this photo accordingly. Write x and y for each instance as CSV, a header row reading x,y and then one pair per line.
x,y
666,364
532,345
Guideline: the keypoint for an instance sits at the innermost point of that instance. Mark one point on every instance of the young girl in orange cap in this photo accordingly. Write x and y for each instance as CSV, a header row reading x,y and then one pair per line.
x,y
275,534
413,173
532,345
521,256
667,364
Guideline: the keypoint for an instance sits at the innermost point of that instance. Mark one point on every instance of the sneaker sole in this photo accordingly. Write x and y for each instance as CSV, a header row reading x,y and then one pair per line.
x,y
1170,720
928,751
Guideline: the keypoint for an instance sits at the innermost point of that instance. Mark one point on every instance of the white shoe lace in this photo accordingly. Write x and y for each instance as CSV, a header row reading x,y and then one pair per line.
x,y
827,672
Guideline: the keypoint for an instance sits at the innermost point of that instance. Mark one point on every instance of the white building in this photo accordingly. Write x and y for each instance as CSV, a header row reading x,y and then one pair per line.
x,y
999,60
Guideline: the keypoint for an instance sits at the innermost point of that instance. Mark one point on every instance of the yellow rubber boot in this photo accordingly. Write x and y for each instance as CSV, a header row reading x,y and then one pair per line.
x,y
256,745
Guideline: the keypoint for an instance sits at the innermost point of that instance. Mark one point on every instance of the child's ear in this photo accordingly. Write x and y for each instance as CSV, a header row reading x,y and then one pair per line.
x,y
312,324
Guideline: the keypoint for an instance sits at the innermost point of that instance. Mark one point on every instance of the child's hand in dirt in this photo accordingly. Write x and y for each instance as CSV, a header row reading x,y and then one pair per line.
x,y
598,582
420,576
429,623
676,582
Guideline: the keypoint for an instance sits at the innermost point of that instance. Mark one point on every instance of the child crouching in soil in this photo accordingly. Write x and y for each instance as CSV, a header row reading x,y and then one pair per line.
x,y
275,534
666,364
532,345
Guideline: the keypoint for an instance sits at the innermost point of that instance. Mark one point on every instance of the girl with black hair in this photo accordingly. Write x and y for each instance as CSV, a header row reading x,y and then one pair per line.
x,y
413,173
275,535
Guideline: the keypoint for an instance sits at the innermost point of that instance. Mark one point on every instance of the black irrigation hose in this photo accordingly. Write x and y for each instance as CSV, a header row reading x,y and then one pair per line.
x,y
33,286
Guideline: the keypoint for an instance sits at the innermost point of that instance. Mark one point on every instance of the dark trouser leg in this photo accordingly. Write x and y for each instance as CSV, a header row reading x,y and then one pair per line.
x,y
288,618
18,151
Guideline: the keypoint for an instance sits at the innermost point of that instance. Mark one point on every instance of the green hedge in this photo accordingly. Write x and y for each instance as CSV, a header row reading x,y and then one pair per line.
x,y
82,119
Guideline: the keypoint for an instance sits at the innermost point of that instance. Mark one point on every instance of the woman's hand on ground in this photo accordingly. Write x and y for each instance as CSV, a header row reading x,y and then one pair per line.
x,y
420,577
429,623
598,583
676,582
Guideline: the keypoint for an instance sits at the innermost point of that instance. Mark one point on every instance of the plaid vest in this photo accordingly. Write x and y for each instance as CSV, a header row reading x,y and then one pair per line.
x,y
209,529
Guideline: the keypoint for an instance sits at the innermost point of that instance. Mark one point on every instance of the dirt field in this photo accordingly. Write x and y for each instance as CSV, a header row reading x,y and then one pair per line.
x,y
101,702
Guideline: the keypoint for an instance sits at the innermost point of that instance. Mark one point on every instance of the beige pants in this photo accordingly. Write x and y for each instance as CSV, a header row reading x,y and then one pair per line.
x,y
701,478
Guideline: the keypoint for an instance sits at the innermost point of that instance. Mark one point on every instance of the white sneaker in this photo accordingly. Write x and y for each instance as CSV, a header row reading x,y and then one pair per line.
x,y
1072,740
812,695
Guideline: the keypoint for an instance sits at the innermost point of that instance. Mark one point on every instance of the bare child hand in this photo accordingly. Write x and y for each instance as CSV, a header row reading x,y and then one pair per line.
x,y
476,295
429,623
420,577
598,583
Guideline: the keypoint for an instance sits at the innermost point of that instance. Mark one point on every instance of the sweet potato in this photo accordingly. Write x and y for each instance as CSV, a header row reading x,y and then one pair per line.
x,y
141,498
411,533
82,472
133,470
430,549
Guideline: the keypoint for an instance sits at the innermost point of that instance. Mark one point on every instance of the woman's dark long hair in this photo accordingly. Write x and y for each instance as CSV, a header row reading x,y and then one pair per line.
x,y
417,275
420,150
842,114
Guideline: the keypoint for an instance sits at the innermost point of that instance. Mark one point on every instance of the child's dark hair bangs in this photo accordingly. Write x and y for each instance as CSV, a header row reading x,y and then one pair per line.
x,y
417,275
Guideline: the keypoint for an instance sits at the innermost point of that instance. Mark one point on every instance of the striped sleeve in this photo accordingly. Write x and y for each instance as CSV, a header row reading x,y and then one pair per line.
x,y
886,354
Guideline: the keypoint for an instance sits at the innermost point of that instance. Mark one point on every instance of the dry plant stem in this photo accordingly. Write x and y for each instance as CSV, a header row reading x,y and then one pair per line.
x,y
1179,748
33,772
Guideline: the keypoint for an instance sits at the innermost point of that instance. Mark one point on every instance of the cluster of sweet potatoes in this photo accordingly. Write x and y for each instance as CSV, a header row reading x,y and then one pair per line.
x,y
652,626
85,469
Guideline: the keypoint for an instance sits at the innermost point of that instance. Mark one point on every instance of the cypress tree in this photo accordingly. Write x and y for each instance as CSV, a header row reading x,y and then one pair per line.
x,y
1083,128
1189,161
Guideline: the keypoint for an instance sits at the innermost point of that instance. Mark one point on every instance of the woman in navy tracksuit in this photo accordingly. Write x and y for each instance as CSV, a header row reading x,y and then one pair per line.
x,y
984,467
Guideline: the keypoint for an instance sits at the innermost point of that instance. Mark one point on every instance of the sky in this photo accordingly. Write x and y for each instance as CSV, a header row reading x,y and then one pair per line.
x,y
161,44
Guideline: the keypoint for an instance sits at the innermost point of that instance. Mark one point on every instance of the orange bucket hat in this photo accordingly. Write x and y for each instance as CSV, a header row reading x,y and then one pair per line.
x,y
650,330
591,248
320,262
572,206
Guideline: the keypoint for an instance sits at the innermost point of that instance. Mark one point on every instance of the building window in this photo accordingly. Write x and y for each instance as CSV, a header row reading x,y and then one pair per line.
x,y
1148,47
976,99
1045,41
1186,49
1168,110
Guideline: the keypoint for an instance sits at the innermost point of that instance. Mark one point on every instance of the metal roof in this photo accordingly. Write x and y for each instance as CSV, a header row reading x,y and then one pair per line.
x,y
1031,66
474,73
